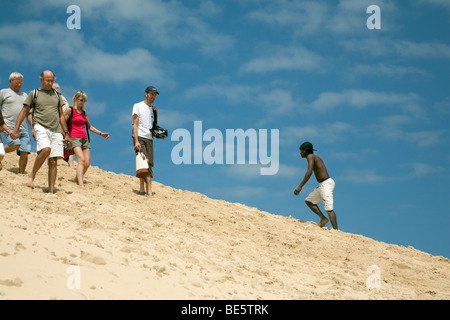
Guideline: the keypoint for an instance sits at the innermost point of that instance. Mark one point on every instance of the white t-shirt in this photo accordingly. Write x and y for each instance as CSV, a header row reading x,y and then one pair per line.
x,y
11,103
145,114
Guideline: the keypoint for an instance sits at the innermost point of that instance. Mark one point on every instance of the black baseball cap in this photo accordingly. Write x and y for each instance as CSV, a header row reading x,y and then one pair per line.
x,y
151,89
307,146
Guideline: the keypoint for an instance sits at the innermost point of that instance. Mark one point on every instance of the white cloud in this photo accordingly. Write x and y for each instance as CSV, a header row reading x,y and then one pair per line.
x,y
422,49
416,170
309,18
419,170
172,119
392,71
247,171
383,47
326,133
304,16
274,100
284,59
442,3
364,176
277,101
443,106
47,45
166,23
426,138
392,128
95,65
359,99
360,155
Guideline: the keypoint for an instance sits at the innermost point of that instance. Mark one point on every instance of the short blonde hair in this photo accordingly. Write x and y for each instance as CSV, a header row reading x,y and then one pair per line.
x,y
79,94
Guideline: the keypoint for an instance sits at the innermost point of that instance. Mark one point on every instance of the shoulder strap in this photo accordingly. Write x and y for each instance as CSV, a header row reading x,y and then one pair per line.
x,y
35,94
86,125
69,121
59,101
155,117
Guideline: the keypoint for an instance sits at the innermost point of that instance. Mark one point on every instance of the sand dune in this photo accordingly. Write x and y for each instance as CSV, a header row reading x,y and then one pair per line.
x,y
116,244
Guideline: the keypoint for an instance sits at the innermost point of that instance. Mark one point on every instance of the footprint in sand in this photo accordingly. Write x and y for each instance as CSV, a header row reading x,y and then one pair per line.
x,y
91,258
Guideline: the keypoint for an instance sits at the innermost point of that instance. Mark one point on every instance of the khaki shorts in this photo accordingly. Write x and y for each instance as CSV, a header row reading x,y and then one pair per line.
x,y
323,193
83,143
147,149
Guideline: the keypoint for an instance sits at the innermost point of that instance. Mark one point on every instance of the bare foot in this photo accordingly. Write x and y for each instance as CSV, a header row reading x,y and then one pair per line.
x,y
323,222
30,183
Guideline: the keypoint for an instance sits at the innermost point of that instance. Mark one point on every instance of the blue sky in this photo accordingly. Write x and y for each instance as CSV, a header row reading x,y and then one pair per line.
x,y
374,102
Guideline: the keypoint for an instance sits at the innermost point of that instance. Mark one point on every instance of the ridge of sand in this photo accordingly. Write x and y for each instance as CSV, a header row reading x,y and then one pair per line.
x,y
178,244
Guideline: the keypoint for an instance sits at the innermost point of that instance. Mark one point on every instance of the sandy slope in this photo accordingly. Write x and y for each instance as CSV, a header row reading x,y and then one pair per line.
x,y
184,245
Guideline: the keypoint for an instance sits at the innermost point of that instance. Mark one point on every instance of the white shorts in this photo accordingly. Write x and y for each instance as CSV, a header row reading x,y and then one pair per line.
x,y
323,193
48,139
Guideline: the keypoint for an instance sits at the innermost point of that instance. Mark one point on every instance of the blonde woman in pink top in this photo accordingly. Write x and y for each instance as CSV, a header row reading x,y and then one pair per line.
x,y
79,125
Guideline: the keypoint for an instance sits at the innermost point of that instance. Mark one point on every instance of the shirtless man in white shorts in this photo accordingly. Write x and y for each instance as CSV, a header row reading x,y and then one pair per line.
x,y
326,186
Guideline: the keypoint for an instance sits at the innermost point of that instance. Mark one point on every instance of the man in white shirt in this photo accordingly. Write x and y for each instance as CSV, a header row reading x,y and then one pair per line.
x,y
142,137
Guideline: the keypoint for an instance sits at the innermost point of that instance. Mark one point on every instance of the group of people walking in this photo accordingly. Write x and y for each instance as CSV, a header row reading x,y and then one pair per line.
x,y
55,124
47,112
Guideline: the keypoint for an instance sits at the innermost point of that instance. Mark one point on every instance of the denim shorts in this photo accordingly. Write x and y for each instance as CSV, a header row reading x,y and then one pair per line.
x,y
24,141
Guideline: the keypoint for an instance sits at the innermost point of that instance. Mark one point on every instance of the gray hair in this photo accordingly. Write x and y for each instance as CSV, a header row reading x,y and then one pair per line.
x,y
15,75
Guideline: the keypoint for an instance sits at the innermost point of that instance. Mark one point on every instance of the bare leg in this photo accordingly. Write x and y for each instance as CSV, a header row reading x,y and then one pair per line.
x,y
148,185
84,161
70,161
52,167
141,186
9,149
80,165
23,161
333,219
87,160
316,210
42,155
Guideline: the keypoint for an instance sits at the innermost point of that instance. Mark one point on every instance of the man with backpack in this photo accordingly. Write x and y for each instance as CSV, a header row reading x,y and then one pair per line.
x,y
50,127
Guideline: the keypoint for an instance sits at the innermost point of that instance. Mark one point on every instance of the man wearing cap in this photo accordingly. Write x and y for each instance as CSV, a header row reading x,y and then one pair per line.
x,y
326,185
142,137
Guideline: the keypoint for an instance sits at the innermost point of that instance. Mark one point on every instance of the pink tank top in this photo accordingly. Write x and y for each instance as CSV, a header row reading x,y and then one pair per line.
x,y
78,125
